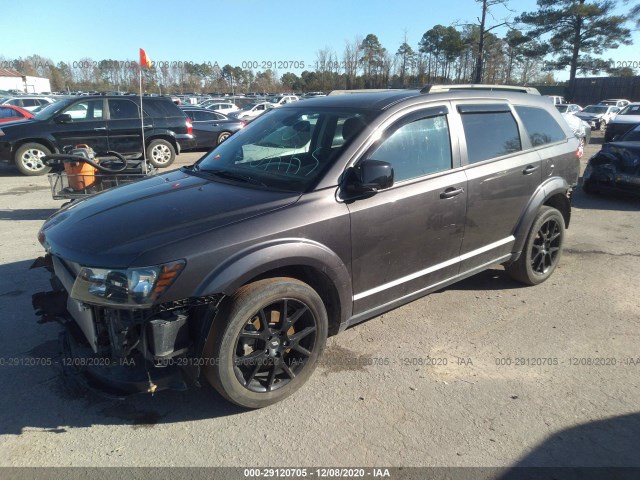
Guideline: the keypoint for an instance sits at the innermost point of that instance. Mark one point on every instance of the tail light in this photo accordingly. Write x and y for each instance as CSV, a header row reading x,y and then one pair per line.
x,y
242,124
189,126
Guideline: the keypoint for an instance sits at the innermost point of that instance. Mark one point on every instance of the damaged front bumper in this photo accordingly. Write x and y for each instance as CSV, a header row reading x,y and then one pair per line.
x,y
119,352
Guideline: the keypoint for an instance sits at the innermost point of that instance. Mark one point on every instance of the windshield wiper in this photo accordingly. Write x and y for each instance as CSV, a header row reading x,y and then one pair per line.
x,y
234,176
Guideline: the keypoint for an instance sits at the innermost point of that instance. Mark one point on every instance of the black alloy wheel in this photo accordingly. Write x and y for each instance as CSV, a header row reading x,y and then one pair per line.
x,y
274,345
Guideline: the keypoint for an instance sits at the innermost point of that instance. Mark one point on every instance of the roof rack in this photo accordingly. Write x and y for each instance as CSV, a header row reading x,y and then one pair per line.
x,y
364,90
479,86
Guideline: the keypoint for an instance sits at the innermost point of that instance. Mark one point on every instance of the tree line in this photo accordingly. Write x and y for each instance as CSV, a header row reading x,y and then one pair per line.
x,y
560,34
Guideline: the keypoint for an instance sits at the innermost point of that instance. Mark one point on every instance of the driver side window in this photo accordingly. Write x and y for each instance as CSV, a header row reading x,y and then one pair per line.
x,y
420,147
88,110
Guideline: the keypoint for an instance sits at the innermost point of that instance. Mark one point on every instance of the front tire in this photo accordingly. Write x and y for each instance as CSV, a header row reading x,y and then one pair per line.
x,y
603,126
542,249
160,153
28,159
266,341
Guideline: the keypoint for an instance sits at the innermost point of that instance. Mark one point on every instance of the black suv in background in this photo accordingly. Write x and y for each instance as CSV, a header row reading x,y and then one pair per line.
x,y
102,122
317,216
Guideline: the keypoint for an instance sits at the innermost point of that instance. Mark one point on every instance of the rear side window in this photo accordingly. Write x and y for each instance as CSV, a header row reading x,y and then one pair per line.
x,y
490,135
540,125
161,108
203,116
8,113
123,109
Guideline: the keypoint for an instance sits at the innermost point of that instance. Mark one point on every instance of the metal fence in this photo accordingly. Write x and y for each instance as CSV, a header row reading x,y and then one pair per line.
x,y
593,89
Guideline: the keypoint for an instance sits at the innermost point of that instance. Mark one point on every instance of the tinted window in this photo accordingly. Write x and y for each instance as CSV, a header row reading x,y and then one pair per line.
x,y
630,110
203,116
417,148
632,135
6,113
160,108
122,109
490,135
541,127
596,109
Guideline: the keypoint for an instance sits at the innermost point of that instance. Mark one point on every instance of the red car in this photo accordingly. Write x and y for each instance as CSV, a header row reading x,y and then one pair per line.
x,y
9,113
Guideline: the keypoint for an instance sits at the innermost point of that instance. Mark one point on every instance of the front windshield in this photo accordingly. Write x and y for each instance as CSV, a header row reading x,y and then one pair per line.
x,y
595,109
275,99
50,110
562,108
288,149
632,135
630,110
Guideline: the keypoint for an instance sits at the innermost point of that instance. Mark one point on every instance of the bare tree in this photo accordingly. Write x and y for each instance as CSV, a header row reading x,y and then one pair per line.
x,y
484,31
350,60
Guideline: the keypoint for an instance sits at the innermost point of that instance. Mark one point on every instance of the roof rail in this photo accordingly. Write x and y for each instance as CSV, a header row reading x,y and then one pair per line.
x,y
364,90
479,86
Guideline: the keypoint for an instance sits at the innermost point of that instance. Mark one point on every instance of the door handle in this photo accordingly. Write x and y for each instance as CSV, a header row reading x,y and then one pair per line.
x,y
530,169
451,192
99,129
148,126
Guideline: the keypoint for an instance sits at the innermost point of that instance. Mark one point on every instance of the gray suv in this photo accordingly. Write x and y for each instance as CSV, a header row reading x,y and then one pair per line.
x,y
319,215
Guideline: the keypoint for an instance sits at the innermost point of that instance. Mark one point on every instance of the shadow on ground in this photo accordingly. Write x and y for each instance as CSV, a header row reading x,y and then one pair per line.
x,y
36,395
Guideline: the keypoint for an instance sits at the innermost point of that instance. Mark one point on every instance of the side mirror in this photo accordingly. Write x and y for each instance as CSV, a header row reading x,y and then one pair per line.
x,y
63,118
368,177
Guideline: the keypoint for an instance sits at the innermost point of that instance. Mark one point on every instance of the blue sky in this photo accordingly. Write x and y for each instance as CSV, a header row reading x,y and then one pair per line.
x,y
231,31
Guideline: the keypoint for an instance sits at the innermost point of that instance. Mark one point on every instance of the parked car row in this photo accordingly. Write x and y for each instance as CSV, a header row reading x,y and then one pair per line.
x,y
27,102
597,116
102,122
211,128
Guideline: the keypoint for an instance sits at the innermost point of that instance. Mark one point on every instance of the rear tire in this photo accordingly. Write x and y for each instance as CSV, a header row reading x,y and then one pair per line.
x,y
28,159
160,153
542,249
256,356
223,136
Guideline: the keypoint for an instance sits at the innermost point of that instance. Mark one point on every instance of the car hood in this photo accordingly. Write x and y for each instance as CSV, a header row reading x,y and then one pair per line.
x,y
112,229
589,116
627,119
8,127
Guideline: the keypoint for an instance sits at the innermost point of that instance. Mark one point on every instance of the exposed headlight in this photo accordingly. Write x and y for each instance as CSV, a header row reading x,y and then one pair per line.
x,y
131,288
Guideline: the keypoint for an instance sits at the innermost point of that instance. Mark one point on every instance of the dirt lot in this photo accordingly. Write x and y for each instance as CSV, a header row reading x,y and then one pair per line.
x,y
482,373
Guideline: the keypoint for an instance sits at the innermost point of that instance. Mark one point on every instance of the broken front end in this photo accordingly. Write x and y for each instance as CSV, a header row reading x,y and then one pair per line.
x,y
118,340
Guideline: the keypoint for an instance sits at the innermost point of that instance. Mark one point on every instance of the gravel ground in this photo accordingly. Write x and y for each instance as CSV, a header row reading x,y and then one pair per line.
x,y
483,373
